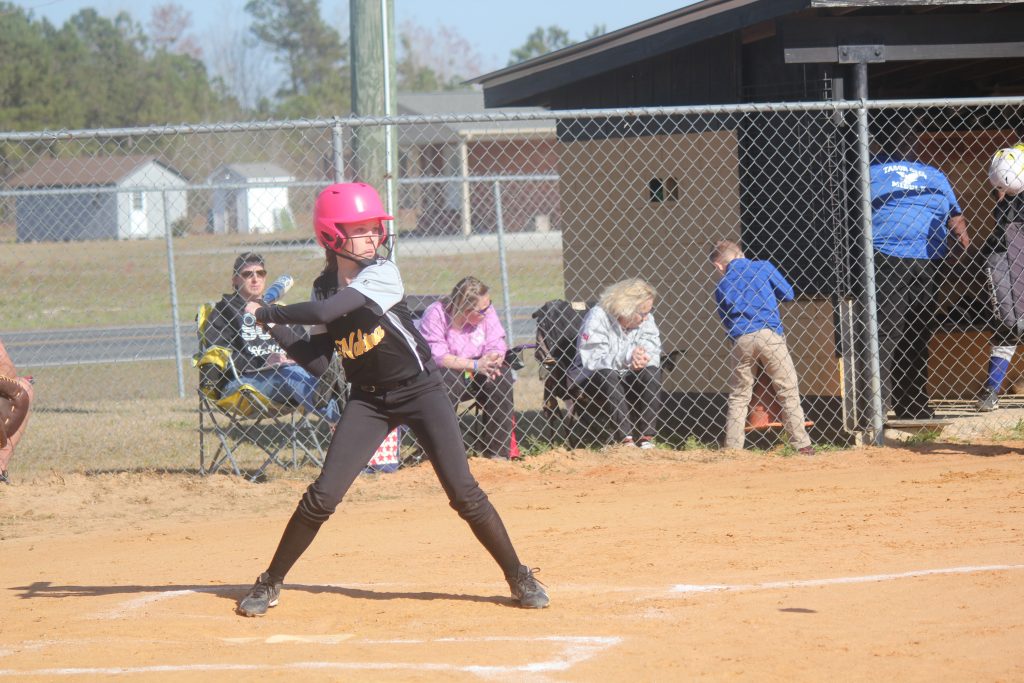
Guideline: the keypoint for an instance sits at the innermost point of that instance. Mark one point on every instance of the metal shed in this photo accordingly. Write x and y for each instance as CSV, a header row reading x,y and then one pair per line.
x,y
250,198
115,197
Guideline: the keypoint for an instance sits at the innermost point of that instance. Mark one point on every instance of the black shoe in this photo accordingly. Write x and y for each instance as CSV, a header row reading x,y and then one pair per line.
x,y
988,401
262,596
527,590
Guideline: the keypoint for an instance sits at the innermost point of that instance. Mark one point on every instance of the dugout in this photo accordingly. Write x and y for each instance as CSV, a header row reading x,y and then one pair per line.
x,y
720,176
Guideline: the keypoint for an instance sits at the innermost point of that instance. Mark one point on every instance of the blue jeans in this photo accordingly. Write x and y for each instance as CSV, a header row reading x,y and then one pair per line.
x,y
288,384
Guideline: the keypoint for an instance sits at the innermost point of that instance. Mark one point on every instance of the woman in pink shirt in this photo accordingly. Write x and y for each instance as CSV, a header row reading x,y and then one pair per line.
x,y
468,344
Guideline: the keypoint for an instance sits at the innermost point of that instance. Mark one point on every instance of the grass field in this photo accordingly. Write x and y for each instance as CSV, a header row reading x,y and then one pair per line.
x,y
108,283
126,417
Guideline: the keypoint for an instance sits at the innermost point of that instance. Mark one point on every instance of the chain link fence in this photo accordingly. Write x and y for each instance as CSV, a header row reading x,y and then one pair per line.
x,y
112,241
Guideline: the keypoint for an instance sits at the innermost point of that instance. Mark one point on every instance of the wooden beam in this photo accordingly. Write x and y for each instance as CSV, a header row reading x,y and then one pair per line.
x,y
896,53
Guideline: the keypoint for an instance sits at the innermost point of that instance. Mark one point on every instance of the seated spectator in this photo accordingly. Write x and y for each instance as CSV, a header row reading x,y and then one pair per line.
x,y
259,360
468,344
618,361
15,402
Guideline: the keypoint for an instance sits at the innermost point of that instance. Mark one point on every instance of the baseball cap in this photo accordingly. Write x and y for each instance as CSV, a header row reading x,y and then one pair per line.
x,y
247,258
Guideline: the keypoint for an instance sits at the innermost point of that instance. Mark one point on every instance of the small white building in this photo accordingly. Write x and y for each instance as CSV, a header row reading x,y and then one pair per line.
x,y
250,198
87,198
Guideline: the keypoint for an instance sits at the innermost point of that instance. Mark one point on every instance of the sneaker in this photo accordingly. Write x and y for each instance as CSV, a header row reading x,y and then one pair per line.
x,y
806,450
987,401
628,442
646,444
262,596
4,478
527,590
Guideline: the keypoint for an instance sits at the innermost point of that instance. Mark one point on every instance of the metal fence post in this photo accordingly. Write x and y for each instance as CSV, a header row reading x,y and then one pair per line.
x,y
338,149
465,208
876,412
169,238
503,262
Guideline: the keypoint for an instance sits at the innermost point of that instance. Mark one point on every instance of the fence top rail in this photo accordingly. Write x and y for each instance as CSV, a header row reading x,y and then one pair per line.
x,y
504,116
317,184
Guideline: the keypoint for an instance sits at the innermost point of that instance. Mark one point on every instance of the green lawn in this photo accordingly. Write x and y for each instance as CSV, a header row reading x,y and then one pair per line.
x,y
108,283
127,417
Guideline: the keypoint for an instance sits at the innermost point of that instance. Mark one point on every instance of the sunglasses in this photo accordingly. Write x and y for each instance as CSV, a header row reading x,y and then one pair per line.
x,y
482,311
246,274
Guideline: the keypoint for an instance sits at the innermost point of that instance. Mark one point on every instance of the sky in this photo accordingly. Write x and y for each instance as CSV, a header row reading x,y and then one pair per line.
x,y
493,28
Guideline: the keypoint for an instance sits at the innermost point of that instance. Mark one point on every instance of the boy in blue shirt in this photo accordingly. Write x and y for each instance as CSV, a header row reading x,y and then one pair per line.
x,y
747,299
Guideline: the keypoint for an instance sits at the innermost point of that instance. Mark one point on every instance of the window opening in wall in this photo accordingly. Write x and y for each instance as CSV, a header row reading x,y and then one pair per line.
x,y
663,191
671,190
137,201
657,190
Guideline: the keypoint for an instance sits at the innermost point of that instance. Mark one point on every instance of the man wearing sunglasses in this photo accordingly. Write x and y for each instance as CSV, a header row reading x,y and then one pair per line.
x,y
259,360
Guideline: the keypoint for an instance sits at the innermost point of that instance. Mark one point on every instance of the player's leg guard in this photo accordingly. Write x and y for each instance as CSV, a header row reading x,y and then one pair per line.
x,y
998,365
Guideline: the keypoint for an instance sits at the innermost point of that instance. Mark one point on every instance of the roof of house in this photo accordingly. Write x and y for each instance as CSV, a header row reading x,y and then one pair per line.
x,y
258,169
529,80
98,171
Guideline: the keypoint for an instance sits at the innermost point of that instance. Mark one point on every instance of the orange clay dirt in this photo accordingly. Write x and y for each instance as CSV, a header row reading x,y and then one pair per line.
x,y
868,564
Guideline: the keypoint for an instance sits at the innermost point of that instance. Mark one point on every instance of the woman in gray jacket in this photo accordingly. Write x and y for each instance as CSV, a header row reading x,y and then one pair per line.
x,y
618,361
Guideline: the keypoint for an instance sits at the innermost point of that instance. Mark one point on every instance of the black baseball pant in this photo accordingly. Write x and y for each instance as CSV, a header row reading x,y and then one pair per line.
x,y
906,292
424,407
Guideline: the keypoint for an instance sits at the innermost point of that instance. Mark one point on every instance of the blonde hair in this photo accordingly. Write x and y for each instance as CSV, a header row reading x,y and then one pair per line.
x,y
725,251
623,299
464,296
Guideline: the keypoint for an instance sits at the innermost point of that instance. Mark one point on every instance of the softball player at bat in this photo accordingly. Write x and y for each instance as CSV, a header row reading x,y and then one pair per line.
x,y
358,311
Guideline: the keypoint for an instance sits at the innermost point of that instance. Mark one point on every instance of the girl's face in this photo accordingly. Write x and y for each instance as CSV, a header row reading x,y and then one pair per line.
x,y
363,238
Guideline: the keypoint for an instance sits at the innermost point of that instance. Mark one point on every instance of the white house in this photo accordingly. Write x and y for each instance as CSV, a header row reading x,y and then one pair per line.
x,y
112,197
250,198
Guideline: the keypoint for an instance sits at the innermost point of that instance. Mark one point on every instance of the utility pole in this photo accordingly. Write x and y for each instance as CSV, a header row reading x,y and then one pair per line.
x,y
373,93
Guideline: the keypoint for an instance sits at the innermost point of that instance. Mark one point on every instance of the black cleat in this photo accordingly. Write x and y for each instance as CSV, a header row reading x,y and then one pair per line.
x,y
987,401
262,596
527,590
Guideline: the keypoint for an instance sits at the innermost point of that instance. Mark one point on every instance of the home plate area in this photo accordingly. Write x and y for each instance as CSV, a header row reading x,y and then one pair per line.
x,y
200,639
197,642
342,652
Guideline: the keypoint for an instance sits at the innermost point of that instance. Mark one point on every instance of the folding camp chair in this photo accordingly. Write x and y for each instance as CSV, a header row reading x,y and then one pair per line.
x,y
558,327
248,416
570,415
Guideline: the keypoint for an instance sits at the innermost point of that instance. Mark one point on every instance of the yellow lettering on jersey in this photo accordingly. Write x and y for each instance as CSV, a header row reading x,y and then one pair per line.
x,y
358,343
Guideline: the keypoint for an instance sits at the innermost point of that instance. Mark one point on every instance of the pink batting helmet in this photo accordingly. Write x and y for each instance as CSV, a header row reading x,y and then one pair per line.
x,y
343,203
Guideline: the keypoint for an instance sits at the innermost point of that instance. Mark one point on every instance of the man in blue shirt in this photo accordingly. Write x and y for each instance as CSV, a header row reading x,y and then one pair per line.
x,y
747,299
914,215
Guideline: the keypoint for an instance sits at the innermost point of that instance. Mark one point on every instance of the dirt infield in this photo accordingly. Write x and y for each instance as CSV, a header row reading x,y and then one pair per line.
x,y
873,564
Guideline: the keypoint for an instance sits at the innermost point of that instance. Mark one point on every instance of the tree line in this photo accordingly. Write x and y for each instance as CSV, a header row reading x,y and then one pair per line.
x,y
102,72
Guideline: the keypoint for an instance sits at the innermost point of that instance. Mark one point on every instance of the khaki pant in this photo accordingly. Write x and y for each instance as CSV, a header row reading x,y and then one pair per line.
x,y
768,349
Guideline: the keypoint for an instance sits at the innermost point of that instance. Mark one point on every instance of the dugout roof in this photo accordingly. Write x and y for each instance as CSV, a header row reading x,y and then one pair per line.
x,y
729,51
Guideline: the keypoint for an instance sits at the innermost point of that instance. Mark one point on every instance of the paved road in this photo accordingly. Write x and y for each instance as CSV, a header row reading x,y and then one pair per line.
x,y
54,348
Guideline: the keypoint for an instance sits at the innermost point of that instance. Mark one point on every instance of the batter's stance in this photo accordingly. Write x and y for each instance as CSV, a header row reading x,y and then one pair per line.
x,y
358,311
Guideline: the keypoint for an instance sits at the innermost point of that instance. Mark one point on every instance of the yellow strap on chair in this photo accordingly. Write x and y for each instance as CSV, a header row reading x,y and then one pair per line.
x,y
247,401
215,355
202,317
